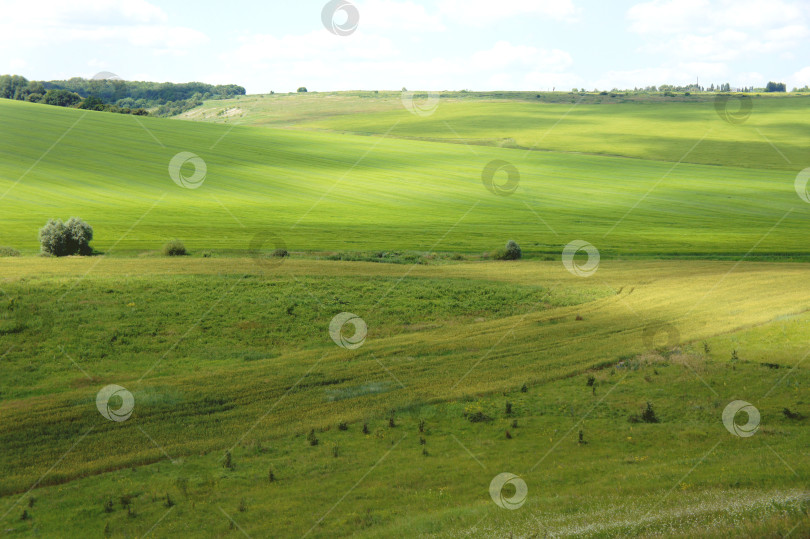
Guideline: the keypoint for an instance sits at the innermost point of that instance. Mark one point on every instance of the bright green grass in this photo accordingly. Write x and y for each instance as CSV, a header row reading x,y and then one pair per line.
x,y
319,191
646,127
226,353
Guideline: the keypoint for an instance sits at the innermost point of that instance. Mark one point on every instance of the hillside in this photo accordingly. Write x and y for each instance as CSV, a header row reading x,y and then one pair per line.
x,y
240,408
334,192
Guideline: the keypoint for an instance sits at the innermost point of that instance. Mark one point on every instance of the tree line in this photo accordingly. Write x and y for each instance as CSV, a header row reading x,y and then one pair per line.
x,y
114,95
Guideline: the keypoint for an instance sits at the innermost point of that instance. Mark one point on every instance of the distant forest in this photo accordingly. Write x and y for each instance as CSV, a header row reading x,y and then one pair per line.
x,y
115,95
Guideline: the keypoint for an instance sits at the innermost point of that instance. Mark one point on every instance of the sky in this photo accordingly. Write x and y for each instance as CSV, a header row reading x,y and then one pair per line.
x,y
536,45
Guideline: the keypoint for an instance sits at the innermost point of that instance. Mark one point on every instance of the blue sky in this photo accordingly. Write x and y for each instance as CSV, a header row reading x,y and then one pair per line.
x,y
443,44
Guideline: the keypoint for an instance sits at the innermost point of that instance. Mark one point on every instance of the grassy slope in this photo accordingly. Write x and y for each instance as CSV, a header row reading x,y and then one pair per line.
x,y
380,193
651,127
225,353
212,384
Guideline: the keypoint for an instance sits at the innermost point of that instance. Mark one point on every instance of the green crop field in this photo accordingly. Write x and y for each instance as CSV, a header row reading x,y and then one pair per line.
x,y
321,192
603,385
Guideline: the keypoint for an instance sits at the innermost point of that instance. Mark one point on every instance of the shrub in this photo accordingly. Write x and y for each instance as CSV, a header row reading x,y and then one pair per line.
x,y
311,438
647,416
61,239
511,252
474,413
280,253
174,248
8,251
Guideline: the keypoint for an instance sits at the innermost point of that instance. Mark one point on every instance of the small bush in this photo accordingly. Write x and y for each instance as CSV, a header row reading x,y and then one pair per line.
x,y
474,413
280,253
511,252
311,438
647,416
62,239
8,251
174,248
343,426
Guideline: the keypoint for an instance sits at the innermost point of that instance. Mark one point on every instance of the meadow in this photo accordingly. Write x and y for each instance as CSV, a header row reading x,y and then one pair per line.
x,y
325,192
604,394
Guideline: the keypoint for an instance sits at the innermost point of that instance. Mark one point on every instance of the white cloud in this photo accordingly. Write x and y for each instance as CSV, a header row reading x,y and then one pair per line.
x,y
386,14
505,55
801,78
312,47
56,23
719,30
320,60
484,12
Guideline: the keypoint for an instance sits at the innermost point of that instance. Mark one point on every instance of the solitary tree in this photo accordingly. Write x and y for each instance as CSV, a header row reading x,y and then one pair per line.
x,y
61,239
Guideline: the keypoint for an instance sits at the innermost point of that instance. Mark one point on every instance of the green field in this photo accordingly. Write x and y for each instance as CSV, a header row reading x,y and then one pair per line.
x,y
471,367
326,192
